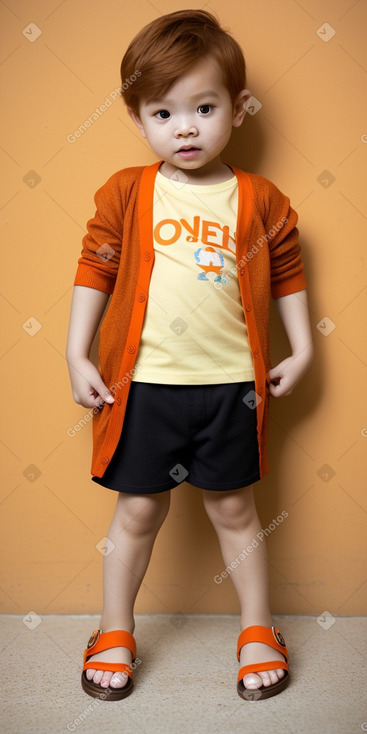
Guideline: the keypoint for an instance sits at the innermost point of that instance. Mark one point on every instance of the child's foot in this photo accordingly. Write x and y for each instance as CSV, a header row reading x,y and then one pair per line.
x,y
107,678
258,652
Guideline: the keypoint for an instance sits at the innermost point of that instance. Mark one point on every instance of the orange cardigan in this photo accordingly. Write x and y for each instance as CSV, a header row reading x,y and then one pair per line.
x,y
268,257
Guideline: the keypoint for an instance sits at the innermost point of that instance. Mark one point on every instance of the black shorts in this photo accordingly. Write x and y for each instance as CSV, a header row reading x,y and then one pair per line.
x,y
202,434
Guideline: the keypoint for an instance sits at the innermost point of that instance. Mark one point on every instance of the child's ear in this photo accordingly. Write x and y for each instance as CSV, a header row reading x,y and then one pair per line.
x,y
136,119
240,107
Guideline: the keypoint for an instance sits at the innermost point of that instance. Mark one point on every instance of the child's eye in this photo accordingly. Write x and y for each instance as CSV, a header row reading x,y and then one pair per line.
x,y
205,107
163,112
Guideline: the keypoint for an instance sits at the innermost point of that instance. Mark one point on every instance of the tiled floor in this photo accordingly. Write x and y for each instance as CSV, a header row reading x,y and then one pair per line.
x,y
186,682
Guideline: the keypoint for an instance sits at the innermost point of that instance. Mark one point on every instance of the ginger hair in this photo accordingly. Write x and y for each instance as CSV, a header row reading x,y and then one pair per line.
x,y
165,49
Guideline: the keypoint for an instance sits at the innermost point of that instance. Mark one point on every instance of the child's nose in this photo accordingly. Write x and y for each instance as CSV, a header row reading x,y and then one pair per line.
x,y
184,128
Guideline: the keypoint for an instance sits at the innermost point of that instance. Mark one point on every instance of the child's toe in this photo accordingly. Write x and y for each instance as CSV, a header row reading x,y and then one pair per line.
x,y
252,681
272,675
118,680
265,677
105,680
90,673
97,676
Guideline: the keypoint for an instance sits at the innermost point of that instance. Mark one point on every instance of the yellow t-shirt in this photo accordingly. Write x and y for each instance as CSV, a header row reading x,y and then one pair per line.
x,y
194,329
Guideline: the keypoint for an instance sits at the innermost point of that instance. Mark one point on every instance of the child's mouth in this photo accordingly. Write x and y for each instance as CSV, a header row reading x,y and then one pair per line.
x,y
188,152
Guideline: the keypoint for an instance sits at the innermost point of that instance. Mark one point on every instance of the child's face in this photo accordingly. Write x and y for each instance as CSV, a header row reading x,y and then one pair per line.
x,y
196,112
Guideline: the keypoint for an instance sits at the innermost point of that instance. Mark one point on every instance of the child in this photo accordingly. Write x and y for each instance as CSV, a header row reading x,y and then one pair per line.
x,y
190,250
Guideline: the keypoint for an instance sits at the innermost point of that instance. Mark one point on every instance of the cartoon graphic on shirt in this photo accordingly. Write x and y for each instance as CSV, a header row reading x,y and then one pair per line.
x,y
209,260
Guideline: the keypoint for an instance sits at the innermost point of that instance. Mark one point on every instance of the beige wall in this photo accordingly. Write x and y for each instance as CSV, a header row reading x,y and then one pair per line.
x,y
313,119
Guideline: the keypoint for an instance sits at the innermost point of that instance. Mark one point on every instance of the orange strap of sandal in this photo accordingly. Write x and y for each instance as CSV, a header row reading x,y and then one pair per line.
x,y
271,665
101,641
269,635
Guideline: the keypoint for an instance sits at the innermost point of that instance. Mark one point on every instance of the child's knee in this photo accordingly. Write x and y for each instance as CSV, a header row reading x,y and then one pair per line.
x,y
230,508
140,514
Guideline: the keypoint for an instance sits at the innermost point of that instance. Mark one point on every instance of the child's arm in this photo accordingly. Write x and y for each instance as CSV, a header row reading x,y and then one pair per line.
x,y
87,308
293,310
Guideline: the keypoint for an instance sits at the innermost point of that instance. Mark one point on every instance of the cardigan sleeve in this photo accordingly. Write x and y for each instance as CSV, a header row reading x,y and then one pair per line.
x,y
100,255
287,272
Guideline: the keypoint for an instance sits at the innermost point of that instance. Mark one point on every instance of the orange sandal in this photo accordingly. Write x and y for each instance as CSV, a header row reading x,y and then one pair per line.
x,y
98,642
272,637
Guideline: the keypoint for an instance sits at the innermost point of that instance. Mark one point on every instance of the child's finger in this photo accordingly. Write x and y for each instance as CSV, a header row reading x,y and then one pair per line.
x,y
103,391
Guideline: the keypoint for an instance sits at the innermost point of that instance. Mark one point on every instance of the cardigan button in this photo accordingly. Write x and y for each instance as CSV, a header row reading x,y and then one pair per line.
x,y
118,401
131,349
248,307
242,271
141,297
256,353
146,256
104,460
260,391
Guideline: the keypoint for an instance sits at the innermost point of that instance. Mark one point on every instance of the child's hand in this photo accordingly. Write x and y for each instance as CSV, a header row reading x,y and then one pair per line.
x,y
286,374
87,385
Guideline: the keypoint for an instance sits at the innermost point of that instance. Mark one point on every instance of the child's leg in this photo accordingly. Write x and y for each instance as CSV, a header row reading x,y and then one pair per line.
x,y
133,530
236,522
